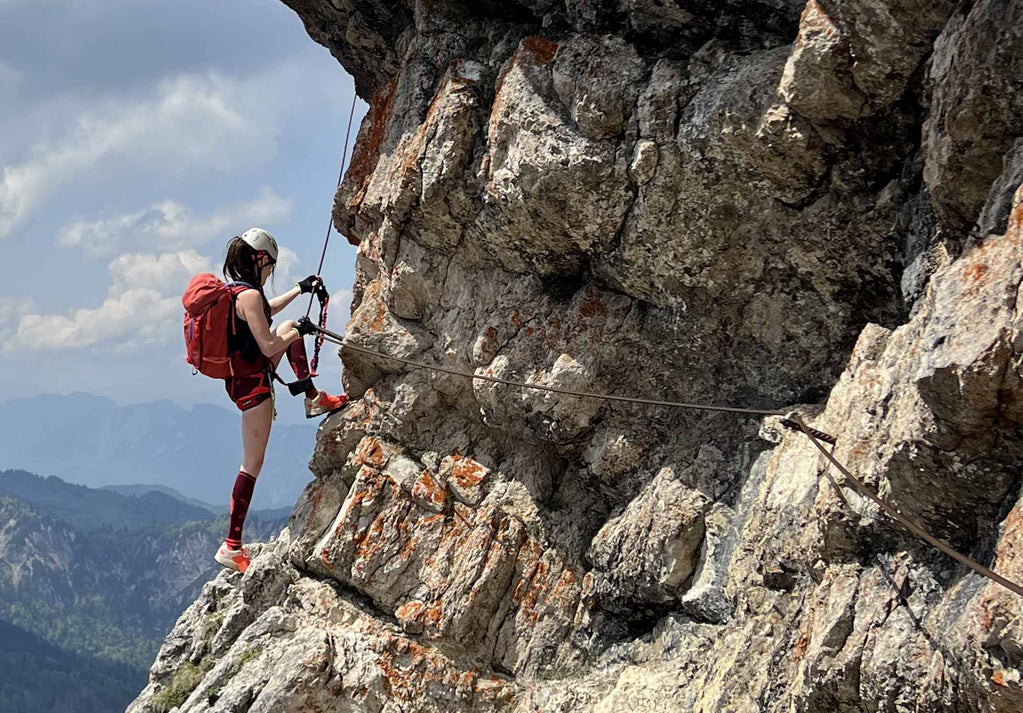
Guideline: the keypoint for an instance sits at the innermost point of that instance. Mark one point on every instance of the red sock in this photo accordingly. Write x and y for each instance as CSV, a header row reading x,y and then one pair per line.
x,y
300,365
240,497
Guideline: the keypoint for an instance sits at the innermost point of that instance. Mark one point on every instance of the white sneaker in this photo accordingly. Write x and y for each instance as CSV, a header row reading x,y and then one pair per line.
x,y
324,403
238,560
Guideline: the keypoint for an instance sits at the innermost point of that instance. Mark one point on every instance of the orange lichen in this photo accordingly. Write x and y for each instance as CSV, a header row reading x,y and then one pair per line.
x,y
326,559
371,138
433,613
800,647
409,611
379,318
371,452
542,49
976,272
369,543
426,488
592,307
468,473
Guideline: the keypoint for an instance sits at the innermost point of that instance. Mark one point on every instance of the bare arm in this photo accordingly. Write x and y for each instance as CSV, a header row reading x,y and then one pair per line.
x,y
250,308
281,301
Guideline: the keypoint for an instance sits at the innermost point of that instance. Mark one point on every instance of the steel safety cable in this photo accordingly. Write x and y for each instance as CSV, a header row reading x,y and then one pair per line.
x,y
339,340
340,177
867,492
794,422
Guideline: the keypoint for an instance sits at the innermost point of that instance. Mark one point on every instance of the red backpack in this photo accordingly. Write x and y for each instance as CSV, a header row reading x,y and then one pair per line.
x,y
209,314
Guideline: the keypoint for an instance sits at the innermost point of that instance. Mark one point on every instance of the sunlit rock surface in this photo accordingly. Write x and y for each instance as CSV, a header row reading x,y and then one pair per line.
x,y
762,204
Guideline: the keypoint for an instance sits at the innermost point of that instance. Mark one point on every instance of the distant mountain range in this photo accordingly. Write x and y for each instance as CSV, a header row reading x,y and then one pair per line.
x,y
91,581
37,676
90,440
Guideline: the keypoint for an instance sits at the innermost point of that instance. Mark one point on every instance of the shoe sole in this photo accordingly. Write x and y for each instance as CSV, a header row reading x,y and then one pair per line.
x,y
228,564
326,413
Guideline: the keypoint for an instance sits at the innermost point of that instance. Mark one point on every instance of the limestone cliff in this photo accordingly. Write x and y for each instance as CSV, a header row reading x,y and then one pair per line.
x,y
762,204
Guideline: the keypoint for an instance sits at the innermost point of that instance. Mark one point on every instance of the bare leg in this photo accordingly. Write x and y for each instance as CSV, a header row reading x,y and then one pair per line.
x,y
256,423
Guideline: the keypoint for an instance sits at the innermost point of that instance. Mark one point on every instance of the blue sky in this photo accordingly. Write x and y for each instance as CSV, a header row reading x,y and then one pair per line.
x,y
137,137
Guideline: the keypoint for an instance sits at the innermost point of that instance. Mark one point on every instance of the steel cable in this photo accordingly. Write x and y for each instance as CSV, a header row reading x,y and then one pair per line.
x,y
336,339
865,490
340,177
790,419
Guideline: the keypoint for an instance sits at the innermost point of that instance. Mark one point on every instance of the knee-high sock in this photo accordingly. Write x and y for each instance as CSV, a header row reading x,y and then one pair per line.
x,y
300,365
240,498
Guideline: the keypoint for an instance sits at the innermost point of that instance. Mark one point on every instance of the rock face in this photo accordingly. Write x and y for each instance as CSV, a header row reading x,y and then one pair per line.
x,y
761,204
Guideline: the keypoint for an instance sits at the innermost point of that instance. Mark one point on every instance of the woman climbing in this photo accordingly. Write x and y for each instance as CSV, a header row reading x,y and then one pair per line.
x,y
257,351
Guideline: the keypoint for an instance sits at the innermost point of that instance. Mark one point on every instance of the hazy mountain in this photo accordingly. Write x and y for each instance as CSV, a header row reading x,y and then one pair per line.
x,y
91,509
92,441
37,677
100,577
143,488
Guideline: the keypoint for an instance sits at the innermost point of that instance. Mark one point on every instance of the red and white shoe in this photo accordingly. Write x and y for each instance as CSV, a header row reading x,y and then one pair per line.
x,y
238,560
324,403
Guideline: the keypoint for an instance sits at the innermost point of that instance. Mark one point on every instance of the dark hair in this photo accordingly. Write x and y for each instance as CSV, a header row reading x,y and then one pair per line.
x,y
240,264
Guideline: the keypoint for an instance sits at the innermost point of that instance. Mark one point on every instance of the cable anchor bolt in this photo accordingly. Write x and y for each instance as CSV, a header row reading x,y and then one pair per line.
x,y
791,422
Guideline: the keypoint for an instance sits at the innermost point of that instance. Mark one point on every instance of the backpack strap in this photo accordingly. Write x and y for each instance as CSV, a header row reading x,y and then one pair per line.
x,y
236,288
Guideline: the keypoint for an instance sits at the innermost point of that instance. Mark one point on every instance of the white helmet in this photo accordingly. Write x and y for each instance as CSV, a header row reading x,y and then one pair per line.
x,y
260,240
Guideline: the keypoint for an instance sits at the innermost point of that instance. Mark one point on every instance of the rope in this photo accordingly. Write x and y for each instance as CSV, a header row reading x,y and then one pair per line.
x,y
330,223
864,490
318,342
791,420
337,339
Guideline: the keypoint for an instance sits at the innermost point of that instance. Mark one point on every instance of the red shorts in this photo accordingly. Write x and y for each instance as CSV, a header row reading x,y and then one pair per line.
x,y
249,391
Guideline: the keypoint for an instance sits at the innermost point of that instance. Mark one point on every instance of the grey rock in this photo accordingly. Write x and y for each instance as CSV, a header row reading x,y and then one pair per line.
x,y
681,202
976,107
648,553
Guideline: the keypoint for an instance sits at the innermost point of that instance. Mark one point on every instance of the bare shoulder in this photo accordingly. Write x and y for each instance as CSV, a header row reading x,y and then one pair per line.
x,y
249,303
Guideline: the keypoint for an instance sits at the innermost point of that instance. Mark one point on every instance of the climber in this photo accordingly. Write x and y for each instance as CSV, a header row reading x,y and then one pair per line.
x,y
251,259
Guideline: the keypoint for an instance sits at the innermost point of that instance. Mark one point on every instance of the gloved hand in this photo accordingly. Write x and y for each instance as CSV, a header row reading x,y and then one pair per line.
x,y
309,284
305,326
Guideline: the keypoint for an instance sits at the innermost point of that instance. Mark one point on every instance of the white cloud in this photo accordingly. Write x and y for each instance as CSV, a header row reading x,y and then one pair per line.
x,y
13,309
210,123
285,276
135,317
174,226
342,299
167,273
143,306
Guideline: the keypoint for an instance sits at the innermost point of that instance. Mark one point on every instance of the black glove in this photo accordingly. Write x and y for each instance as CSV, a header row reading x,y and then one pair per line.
x,y
305,326
309,284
